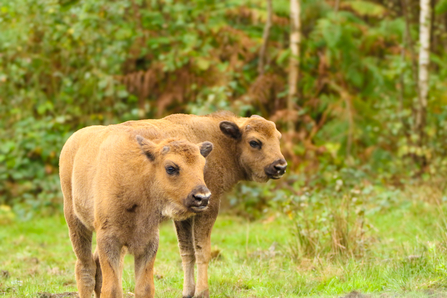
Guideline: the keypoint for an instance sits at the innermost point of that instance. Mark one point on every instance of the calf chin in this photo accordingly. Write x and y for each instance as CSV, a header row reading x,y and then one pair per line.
x,y
176,212
258,178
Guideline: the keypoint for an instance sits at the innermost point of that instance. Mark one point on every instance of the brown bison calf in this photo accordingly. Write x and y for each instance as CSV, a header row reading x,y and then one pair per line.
x,y
121,185
244,149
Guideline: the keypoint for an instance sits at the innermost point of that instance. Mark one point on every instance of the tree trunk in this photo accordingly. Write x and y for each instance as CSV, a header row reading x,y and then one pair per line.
x,y
265,38
295,39
424,59
409,42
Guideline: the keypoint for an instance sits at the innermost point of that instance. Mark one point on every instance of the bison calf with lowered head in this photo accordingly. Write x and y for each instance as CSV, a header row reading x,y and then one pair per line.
x,y
121,185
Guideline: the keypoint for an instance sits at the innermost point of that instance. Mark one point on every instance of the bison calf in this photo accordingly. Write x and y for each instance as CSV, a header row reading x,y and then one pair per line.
x,y
244,149
121,185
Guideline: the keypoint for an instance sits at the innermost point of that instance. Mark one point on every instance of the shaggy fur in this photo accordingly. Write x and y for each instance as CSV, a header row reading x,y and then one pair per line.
x,y
120,184
233,159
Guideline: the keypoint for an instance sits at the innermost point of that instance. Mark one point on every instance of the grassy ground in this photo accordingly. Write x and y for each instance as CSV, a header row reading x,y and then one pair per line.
x,y
405,256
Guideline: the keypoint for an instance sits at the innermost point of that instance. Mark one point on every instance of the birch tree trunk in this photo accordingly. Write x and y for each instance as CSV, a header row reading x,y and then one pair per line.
x,y
424,59
295,40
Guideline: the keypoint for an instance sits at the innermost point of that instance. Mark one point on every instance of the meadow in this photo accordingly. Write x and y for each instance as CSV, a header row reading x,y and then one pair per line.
x,y
378,242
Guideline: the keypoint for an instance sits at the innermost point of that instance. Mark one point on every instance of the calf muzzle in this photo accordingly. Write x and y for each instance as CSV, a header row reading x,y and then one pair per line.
x,y
198,199
276,169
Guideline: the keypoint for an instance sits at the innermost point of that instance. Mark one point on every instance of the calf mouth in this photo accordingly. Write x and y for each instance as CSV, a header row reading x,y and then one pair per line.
x,y
198,209
275,176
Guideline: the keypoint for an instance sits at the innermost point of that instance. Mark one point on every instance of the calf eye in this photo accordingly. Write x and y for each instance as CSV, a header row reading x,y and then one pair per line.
x,y
255,144
171,170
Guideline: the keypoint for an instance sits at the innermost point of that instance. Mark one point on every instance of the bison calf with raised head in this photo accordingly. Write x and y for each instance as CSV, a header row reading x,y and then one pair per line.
x,y
244,149
121,183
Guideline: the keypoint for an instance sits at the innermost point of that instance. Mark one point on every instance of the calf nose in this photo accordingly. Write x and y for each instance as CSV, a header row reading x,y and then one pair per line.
x,y
198,199
276,169
202,198
281,168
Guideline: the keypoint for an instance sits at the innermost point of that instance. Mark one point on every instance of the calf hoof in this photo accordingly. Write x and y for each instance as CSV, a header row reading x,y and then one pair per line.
x,y
203,294
189,294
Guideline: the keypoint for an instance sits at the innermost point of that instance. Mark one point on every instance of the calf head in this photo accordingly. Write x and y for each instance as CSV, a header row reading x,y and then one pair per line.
x,y
178,173
258,147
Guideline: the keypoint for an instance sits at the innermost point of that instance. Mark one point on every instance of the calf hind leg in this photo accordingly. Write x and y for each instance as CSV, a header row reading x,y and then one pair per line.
x,y
81,239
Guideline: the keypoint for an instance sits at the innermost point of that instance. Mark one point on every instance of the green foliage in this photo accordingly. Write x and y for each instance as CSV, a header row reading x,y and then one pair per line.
x,y
56,69
441,7
68,64
6,215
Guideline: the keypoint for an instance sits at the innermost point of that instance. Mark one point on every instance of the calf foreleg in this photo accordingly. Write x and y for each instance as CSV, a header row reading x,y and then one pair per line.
x,y
110,258
144,270
186,245
203,224
98,276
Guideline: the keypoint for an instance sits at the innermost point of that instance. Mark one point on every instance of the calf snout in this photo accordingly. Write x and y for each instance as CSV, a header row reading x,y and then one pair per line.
x,y
198,199
202,199
276,169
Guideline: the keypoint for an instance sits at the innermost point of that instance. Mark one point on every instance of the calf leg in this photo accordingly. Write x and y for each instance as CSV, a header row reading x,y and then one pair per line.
x,y
98,276
109,251
203,224
186,245
144,270
81,239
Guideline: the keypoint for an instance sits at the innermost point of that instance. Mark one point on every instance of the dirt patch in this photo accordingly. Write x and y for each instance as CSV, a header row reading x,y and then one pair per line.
x,y
59,295
71,294
355,294
4,274
421,294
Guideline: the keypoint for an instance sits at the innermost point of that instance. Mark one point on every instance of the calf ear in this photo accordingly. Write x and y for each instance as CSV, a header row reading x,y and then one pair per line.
x,y
205,148
230,129
147,147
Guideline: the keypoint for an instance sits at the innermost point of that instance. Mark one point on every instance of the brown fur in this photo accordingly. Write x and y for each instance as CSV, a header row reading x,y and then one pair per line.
x,y
117,184
233,160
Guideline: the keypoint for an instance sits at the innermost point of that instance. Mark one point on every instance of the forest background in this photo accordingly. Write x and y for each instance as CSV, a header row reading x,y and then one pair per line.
x,y
68,64
356,131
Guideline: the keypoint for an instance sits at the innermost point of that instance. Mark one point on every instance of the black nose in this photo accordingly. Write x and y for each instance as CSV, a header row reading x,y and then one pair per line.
x,y
276,169
281,168
198,198
202,198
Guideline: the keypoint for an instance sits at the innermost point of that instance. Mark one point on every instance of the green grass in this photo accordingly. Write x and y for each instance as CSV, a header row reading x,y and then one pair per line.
x,y
406,256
